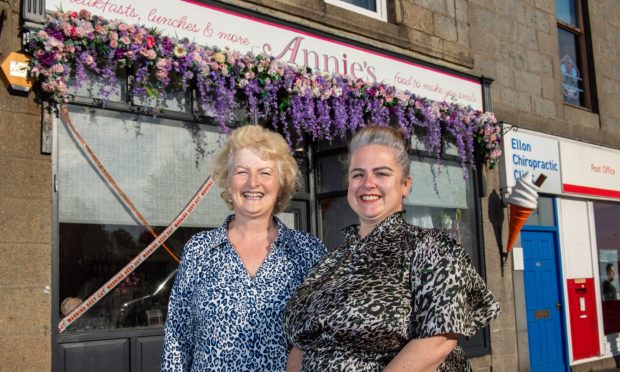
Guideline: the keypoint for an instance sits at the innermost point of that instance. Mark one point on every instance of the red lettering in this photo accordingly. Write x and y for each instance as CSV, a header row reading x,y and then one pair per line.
x,y
355,67
233,38
292,46
306,53
371,72
208,30
179,23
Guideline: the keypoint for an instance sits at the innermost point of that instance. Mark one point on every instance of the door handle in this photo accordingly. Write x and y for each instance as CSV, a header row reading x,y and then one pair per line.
x,y
558,306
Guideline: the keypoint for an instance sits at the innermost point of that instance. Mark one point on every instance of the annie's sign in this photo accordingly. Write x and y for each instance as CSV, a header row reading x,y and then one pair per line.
x,y
214,26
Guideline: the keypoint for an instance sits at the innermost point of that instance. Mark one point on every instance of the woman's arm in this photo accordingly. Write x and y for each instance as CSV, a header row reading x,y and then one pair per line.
x,y
178,330
423,354
295,357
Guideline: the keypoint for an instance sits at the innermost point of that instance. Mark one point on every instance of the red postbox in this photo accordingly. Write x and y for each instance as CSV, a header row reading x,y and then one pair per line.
x,y
583,322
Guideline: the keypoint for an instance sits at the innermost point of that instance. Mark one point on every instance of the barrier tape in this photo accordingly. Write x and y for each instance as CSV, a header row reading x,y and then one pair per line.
x,y
104,172
136,261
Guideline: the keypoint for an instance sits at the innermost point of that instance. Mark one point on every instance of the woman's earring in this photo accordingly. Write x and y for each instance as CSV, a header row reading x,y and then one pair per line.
x,y
226,196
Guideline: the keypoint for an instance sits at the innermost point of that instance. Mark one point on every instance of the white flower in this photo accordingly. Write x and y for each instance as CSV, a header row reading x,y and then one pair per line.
x,y
179,50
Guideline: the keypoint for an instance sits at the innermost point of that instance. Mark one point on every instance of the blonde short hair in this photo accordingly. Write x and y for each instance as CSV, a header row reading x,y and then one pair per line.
x,y
271,146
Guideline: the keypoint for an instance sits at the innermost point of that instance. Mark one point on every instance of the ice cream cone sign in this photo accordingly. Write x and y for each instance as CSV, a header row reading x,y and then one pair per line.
x,y
523,200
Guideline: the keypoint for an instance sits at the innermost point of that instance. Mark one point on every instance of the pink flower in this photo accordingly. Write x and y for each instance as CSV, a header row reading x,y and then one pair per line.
x,y
113,44
125,40
89,60
47,87
66,29
150,41
84,14
58,68
122,27
161,74
161,63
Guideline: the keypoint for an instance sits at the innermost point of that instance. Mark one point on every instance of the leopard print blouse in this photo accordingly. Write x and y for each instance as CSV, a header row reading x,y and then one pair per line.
x,y
362,304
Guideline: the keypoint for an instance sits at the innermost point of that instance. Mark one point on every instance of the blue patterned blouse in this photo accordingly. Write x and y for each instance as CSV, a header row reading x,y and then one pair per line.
x,y
220,318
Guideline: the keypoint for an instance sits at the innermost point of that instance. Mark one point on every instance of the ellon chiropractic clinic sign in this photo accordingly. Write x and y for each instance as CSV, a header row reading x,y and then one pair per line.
x,y
525,151
213,26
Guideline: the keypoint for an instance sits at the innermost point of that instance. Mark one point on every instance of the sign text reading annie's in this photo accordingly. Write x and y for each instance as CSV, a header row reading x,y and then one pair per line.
x,y
213,26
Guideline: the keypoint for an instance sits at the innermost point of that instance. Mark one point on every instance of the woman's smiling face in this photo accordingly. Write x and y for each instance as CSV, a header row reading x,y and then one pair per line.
x,y
253,184
376,185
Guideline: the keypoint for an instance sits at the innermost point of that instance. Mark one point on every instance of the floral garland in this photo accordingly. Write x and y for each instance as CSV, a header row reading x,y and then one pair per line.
x,y
294,100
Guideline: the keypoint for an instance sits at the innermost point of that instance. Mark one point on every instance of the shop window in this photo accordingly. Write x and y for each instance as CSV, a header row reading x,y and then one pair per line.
x,y
575,53
159,164
544,214
440,198
606,217
371,8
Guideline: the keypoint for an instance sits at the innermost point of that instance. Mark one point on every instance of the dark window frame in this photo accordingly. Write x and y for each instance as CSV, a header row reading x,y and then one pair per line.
x,y
585,62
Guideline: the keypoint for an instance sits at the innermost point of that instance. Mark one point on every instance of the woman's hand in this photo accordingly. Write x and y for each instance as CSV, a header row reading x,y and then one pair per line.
x,y
423,354
295,357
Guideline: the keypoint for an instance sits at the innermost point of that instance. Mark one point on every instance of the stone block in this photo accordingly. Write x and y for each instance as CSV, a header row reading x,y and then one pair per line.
x,y
417,17
485,3
25,178
9,37
25,264
544,107
547,6
483,44
20,134
528,83
461,11
425,43
25,311
481,364
515,57
486,66
538,19
26,353
506,75
26,221
505,31
457,53
581,118
444,27
550,87
544,20
485,20
509,363
435,6
515,99
526,36
548,43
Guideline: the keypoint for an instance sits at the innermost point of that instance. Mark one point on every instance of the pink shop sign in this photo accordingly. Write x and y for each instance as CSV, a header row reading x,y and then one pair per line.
x,y
210,25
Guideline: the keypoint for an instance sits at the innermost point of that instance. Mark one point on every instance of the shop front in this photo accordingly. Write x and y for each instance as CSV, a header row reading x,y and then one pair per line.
x,y
130,171
567,261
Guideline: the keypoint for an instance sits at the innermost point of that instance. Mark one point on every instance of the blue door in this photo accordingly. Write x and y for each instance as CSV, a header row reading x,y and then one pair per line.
x,y
543,301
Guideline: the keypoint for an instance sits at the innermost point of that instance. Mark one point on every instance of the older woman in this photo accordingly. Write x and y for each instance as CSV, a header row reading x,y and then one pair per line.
x,y
394,296
226,305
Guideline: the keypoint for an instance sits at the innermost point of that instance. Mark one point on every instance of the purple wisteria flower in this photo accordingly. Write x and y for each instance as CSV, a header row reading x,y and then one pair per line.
x,y
296,101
